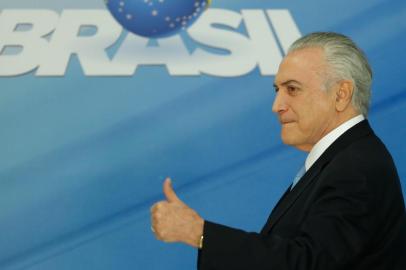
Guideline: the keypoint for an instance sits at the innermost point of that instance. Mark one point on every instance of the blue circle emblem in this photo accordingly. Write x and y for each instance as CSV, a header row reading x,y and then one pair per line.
x,y
156,18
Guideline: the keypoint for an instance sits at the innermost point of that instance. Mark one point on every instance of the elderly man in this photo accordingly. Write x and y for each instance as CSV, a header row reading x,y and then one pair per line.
x,y
345,209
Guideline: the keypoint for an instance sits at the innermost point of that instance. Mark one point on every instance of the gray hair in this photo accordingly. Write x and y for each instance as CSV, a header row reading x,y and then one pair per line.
x,y
346,62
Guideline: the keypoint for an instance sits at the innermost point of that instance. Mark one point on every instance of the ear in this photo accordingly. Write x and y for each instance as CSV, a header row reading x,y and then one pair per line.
x,y
344,94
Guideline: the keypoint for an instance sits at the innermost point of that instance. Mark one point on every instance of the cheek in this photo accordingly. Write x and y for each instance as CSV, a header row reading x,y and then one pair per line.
x,y
306,117
311,118
316,119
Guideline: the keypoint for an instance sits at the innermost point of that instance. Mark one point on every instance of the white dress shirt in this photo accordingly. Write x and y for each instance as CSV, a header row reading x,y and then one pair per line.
x,y
321,146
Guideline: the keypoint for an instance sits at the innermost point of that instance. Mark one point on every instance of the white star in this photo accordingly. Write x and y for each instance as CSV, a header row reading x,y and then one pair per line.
x,y
161,1
172,25
177,19
129,16
167,18
196,4
154,12
120,10
121,3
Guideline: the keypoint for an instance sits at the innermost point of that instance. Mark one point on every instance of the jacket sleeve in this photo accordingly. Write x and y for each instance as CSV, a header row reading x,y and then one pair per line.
x,y
334,232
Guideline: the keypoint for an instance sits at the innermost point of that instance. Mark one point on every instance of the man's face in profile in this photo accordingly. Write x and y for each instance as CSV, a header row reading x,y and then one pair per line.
x,y
306,110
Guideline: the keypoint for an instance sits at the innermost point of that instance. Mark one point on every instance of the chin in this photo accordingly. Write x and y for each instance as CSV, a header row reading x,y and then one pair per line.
x,y
290,138
287,135
287,140
294,140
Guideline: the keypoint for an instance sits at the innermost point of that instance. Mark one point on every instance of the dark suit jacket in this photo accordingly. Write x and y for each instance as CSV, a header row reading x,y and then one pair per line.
x,y
347,212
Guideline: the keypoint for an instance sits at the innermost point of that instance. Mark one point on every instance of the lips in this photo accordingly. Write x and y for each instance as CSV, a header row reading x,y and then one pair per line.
x,y
284,122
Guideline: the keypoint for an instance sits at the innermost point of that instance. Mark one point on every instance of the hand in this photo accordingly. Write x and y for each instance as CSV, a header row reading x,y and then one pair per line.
x,y
173,221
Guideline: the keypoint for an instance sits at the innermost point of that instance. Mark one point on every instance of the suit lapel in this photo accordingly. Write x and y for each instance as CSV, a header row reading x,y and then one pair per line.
x,y
290,197
265,228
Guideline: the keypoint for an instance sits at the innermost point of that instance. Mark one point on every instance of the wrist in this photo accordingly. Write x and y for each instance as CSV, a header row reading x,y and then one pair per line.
x,y
196,239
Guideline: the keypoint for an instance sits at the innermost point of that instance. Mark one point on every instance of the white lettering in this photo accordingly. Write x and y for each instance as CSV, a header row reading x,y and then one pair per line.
x,y
239,61
264,45
285,27
222,43
168,51
91,50
31,42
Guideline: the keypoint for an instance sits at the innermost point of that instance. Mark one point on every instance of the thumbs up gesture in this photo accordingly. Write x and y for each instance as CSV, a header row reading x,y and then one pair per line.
x,y
173,221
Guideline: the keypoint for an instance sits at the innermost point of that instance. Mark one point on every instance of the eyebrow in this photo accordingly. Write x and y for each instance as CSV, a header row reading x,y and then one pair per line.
x,y
286,82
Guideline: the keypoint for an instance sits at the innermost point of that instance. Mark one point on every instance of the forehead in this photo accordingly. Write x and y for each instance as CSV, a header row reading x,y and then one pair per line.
x,y
302,65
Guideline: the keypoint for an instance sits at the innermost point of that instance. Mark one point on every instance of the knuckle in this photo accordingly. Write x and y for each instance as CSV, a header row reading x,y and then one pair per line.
x,y
160,206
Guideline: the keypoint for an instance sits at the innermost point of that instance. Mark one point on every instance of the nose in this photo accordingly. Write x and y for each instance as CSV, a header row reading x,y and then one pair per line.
x,y
279,103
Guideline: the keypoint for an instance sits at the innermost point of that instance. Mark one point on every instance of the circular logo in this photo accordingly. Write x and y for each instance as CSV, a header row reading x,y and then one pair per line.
x,y
156,18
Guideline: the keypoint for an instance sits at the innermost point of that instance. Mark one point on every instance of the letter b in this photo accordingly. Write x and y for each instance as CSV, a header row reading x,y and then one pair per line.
x,y
32,41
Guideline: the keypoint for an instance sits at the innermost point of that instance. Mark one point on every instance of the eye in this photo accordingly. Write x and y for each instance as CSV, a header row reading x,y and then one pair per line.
x,y
292,90
276,89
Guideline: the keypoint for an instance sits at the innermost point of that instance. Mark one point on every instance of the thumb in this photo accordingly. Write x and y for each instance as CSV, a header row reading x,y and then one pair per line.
x,y
169,192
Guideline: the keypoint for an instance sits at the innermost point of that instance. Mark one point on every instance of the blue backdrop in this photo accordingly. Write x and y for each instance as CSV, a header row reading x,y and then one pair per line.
x,y
84,151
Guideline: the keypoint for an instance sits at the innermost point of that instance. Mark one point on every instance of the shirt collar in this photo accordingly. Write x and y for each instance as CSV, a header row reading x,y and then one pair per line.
x,y
321,146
